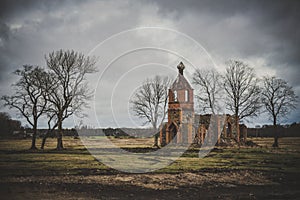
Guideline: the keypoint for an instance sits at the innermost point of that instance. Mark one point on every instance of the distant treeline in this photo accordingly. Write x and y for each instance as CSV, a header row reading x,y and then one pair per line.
x,y
292,130
8,125
116,132
13,128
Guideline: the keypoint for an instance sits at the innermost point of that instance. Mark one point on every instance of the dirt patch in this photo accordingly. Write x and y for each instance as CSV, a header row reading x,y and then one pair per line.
x,y
193,185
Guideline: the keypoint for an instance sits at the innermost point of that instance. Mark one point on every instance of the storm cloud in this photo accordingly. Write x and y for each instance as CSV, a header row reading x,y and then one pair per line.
x,y
265,34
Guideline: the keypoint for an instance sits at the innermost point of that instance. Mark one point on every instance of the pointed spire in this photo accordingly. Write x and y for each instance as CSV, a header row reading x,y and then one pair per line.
x,y
180,68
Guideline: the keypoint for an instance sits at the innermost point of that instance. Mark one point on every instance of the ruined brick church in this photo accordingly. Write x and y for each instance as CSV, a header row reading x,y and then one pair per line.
x,y
184,126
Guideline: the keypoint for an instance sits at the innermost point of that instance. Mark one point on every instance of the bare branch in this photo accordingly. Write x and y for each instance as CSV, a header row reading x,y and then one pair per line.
x,y
70,93
30,95
278,98
241,87
150,101
209,90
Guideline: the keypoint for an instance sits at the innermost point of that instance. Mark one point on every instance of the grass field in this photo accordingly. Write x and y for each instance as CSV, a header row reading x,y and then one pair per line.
x,y
252,172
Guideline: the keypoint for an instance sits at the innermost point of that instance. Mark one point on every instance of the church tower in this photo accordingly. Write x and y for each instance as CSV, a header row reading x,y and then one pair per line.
x,y
179,128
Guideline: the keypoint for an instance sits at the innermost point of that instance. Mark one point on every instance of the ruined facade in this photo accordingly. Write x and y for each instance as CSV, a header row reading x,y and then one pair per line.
x,y
184,126
227,130
179,127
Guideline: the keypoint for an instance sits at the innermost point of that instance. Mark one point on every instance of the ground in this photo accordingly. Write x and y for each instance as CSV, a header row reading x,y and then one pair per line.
x,y
226,173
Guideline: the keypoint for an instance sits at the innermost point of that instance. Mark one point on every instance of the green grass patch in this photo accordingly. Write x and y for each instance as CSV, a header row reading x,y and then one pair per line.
x,y
17,160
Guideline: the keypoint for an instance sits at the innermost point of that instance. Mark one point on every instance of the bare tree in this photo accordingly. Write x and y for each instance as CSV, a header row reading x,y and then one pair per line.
x,y
241,87
150,101
52,124
30,96
50,111
68,70
278,99
209,89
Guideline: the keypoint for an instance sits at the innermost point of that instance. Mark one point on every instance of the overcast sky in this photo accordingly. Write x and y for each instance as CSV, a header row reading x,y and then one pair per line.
x,y
264,34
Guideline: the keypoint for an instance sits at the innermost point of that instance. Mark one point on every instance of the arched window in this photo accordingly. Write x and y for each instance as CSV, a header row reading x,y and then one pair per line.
x,y
175,96
186,95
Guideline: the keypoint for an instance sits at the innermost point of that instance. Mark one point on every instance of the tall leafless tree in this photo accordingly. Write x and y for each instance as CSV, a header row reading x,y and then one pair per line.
x,y
208,83
278,99
50,111
52,124
150,101
30,96
69,70
241,87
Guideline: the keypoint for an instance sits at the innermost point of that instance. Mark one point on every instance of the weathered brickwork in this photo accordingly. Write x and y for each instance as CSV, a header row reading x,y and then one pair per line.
x,y
184,126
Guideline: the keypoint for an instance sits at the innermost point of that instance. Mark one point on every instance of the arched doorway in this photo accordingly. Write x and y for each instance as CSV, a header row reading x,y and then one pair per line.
x,y
173,132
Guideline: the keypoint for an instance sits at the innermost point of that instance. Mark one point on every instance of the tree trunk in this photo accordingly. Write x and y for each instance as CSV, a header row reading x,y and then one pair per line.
x,y
33,140
44,140
33,146
275,144
59,137
156,136
218,130
59,141
237,127
156,140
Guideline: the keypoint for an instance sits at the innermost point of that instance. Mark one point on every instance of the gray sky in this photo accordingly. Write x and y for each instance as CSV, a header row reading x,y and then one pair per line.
x,y
265,34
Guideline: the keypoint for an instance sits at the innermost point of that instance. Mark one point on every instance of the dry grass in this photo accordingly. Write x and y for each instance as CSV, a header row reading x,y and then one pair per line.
x,y
226,173
17,160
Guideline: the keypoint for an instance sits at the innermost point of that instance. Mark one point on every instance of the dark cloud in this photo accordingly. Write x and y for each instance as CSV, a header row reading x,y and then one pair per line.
x,y
12,8
269,30
277,20
4,31
5,36
249,30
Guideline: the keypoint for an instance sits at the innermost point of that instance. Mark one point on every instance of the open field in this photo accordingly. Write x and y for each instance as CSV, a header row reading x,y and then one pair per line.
x,y
226,173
